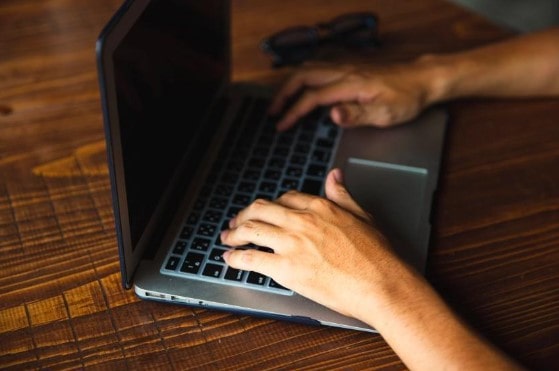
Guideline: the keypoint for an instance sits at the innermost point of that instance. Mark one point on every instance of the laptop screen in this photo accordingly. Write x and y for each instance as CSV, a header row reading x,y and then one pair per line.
x,y
167,70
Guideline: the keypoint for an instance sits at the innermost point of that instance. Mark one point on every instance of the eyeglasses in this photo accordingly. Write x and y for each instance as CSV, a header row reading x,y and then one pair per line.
x,y
296,44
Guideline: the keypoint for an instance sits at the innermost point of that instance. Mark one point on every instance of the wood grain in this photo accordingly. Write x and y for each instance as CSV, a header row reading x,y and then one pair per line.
x,y
495,249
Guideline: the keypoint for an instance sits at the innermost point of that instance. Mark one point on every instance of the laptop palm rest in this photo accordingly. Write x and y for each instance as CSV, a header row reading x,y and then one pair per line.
x,y
395,196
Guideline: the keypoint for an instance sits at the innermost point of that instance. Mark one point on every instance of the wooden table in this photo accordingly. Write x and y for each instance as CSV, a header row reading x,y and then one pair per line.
x,y
495,251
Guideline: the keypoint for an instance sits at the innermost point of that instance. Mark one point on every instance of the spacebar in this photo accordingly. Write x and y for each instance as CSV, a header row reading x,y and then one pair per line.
x,y
311,186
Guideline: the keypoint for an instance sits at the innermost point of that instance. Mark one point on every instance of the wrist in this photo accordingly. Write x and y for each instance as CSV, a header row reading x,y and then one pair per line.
x,y
390,292
437,74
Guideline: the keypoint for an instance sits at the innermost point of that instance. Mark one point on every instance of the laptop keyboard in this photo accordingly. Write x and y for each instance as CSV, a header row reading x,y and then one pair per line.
x,y
258,162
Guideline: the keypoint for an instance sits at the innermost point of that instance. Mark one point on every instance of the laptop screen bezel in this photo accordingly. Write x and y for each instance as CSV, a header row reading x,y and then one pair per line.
x,y
112,34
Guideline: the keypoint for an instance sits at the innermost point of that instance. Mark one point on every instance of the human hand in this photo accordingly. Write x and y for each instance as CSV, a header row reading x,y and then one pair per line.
x,y
324,248
328,250
359,95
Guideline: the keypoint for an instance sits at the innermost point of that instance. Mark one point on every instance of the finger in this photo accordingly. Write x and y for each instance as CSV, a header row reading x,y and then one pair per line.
x,y
348,115
255,232
303,78
295,200
325,95
262,210
338,193
255,261
374,113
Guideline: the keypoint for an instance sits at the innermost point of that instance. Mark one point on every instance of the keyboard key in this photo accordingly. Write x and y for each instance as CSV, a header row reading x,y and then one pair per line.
x,y
272,174
213,216
302,148
326,143
180,247
294,171
217,255
172,263
310,123
281,151
267,137
256,278
275,285
251,174
290,183
200,244
263,196
223,189
247,187
186,232
305,139
298,159
268,187
286,138
192,263
260,151
199,204
193,218
206,190
235,165
311,186
317,170
333,132
320,156
276,162
218,203
256,162
233,274
241,199
213,270
240,152
206,229
233,211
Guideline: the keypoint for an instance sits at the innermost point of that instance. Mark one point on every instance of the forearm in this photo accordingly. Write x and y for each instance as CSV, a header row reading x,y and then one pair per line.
x,y
423,331
524,66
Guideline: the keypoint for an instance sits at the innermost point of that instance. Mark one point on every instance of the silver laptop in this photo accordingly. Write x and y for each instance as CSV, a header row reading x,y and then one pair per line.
x,y
187,149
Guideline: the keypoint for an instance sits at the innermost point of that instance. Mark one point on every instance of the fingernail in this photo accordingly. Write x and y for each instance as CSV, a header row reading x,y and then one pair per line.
x,y
339,115
226,254
338,176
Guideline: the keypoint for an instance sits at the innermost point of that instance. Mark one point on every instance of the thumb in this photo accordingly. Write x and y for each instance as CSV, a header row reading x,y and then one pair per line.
x,y
347,114
252,260
361,114
338,193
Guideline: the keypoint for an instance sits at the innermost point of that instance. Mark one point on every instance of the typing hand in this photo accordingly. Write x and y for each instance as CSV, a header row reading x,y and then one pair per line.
x,y
364,95
325,249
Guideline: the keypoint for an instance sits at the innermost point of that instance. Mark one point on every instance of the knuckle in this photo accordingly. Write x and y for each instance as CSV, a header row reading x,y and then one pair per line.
x,y
305,220
287,195
320,203
384,116
257,205
242,259
247,227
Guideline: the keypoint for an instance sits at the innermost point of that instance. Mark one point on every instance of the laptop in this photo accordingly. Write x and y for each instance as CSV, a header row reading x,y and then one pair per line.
x,y
187,149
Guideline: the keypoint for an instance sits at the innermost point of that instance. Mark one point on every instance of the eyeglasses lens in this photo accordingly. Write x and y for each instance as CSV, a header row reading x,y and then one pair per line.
x,y
292,45
354,29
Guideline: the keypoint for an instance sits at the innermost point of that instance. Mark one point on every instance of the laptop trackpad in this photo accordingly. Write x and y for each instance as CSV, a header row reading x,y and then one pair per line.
x,y
396,196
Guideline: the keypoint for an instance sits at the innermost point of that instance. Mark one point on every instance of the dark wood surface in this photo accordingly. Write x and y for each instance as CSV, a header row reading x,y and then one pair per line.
x,y
495,250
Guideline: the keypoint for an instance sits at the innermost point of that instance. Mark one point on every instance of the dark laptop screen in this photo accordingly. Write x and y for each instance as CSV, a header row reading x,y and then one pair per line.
x,y
168,69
